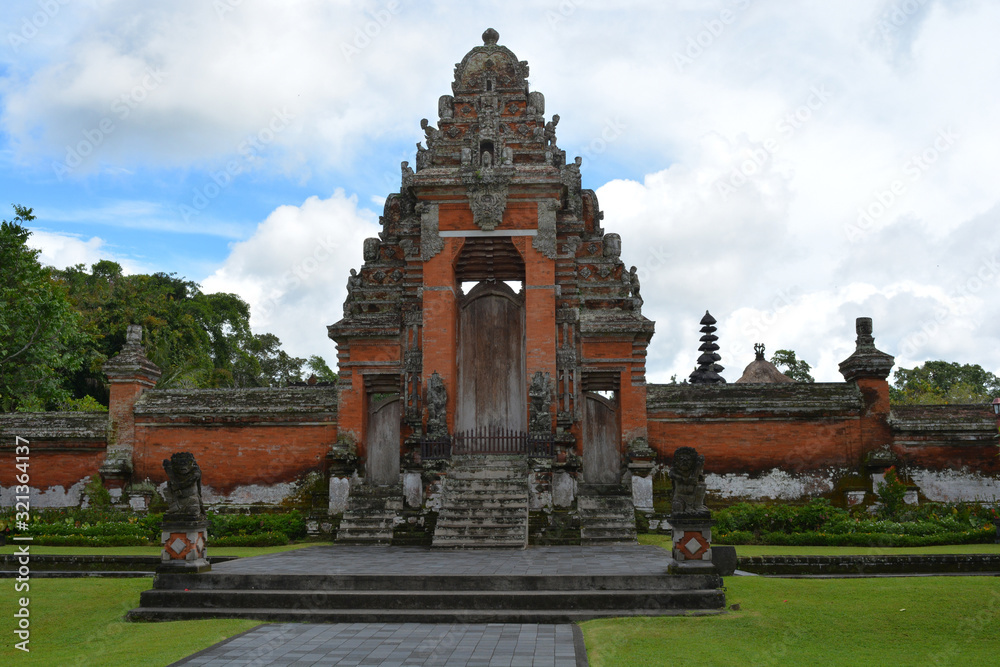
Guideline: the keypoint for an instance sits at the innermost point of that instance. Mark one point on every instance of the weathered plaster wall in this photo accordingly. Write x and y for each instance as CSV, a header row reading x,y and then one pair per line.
x,y
65,448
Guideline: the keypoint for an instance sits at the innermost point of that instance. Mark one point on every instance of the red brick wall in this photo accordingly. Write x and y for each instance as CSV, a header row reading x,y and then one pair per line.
x,y
64,465
734,445
237,454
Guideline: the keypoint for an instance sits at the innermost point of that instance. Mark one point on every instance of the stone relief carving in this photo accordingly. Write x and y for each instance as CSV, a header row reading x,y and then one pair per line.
x,y
545,241
540,402
612,246
446,106
183,492
437,403
407,174
688,477
353,284
430,133
550,131
487,193
431,242
371,247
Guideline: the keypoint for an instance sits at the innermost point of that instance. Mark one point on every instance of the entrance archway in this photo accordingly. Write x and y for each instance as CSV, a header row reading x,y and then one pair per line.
x,y
492,379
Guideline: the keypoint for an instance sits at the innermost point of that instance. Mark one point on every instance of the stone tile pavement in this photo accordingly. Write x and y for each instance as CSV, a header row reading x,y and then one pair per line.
x,y
486,645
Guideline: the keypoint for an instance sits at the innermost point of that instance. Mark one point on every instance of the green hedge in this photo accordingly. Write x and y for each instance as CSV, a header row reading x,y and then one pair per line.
x,y
815,539
113,527
818,523
258,540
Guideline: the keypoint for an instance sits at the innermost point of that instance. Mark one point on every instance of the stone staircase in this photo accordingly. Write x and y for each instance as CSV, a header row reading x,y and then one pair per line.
x,y
429,599
370,515
607,515
484,503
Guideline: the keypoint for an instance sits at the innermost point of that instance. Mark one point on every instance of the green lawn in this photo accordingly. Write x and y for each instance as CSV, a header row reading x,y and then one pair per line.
x,y
900,621
757,550
78,622
913,621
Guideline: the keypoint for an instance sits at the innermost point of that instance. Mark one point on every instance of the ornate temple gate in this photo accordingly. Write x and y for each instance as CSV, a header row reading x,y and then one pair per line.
x,y
601,456
382,464
492,378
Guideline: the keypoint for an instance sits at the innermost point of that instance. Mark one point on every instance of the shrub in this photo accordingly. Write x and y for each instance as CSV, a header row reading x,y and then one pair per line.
x,y
891,492
269,539
98,496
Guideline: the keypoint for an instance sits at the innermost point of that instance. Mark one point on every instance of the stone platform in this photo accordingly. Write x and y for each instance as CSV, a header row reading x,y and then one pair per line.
x,y
331,584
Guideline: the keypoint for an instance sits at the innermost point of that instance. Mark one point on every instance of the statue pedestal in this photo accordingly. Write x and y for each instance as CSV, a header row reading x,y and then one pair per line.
x,y
692,540
184,541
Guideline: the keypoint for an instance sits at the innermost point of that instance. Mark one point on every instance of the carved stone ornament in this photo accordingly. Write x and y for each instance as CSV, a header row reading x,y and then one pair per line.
x,y
688,477
540,395
437,404
545,241
487,192
183,492
371,247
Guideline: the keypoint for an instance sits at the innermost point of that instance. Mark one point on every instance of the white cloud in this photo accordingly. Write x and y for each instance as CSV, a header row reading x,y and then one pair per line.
x,y
62,250
293,270
744,112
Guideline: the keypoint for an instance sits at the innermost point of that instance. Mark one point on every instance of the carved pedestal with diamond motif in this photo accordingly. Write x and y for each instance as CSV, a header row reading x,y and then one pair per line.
x,y
692,539
184,543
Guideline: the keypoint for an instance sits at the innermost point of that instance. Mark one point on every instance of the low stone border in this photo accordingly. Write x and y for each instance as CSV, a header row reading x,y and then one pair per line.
x,y
871,565
66,565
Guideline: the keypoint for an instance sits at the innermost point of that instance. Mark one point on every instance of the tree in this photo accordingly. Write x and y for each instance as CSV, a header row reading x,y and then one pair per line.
x,y
319,368
943,382
262,363
198,340
39,329
794,368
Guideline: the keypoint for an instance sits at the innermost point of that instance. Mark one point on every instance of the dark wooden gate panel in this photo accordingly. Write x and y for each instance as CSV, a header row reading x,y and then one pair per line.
x,y
601,457
382,464
492,380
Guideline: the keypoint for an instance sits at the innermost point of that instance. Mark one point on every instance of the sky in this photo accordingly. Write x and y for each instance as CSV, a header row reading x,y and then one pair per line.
x,y
789,166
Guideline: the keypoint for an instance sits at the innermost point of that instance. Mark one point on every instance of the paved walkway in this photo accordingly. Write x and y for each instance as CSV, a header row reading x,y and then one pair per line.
x,y
339,560
494,644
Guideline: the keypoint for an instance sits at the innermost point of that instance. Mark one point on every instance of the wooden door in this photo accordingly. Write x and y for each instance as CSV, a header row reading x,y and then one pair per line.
x,y
601,454
492,380
382,462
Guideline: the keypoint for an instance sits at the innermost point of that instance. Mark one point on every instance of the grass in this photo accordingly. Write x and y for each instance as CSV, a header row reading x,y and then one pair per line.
x,y
912,621
154,551
763,550
78,622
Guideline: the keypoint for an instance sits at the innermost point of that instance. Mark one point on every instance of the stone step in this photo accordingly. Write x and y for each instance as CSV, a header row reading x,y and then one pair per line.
x,y
466,516
486,502
425,600
404,583
407,615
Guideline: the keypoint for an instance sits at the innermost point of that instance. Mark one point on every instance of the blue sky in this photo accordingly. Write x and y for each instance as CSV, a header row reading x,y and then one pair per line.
x,y
789,166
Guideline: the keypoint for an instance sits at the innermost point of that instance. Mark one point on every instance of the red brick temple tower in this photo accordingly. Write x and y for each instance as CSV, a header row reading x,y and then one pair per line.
x,y
492,326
